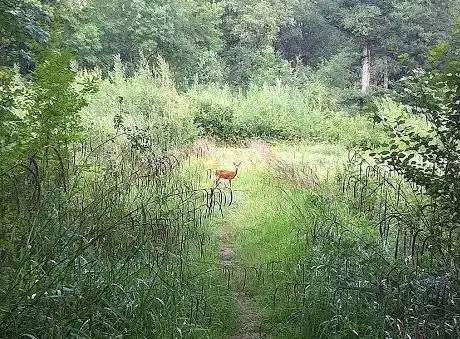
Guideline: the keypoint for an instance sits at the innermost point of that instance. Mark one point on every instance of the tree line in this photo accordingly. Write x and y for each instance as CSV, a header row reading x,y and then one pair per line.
x,y
344,43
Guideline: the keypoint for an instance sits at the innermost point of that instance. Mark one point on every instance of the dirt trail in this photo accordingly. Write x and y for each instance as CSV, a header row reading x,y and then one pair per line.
x,y
249,325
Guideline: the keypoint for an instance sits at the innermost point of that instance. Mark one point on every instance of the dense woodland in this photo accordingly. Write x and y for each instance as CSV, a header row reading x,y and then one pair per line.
x,y
342,220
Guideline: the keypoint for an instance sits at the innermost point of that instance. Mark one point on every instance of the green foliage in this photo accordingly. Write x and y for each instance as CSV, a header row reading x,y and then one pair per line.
x,y
23,26
337,72
242,44
9,122
193,52
217,121
40,122
309,38
40,113
186,33
417,27
148,100
54,114
362,19
278,112
429,158
249,31
86,44
390,28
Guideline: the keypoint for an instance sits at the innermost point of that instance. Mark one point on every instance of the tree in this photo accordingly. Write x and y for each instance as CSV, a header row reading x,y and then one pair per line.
x,y
417,26
250,31
185,33
390,35
308,38
363,22
23,26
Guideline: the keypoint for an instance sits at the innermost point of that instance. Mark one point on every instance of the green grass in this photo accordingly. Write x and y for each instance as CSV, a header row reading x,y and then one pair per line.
x,y
129,249
264,222
307,253
259,217
120,252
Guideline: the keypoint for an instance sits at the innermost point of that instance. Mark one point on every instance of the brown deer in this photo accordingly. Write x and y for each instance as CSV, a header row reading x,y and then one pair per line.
x,y
225,174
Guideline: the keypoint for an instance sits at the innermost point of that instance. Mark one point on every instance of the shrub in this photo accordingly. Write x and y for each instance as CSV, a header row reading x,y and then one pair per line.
x,y
276,112
218,121
40,113
148,100
429,158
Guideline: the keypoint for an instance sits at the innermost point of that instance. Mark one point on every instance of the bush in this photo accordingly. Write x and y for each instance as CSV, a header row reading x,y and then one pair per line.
x,y
429,158
219,122
277,112
40,113
148,100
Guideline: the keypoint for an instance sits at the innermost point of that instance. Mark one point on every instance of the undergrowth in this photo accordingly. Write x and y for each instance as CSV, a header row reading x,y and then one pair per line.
x,y
276,112
101,235
120,250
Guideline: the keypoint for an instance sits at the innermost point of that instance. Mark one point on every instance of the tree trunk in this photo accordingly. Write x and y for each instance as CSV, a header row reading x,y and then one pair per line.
x,y
366,71
385,74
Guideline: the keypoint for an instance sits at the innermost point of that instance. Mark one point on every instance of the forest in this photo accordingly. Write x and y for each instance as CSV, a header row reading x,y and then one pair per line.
x,y
229,169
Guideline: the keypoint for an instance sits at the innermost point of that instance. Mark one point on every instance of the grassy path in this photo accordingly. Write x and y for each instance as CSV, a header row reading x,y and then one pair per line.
x,y
227,229
249,324
257,228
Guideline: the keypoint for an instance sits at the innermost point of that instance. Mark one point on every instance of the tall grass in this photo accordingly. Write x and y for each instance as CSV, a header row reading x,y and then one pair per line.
x,y
148,100
342,252
107,240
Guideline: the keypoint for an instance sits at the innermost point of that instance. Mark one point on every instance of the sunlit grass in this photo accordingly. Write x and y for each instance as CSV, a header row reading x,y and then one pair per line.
x,y
269,226
260,219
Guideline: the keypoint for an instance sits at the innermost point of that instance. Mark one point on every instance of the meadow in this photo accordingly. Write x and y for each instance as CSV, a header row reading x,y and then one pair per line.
x,y
127,235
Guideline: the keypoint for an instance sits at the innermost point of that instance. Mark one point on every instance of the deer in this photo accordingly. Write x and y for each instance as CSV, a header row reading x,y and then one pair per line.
x,y
225,174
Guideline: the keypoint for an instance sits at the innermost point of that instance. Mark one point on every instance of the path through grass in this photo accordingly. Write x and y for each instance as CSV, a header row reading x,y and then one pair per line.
x,y
258,228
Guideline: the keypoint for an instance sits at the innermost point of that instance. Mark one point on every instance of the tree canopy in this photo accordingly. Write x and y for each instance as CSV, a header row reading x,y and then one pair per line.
x,y
233,41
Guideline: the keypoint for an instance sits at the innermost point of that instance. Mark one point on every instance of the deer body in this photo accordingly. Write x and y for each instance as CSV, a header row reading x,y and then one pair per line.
x,y
226,174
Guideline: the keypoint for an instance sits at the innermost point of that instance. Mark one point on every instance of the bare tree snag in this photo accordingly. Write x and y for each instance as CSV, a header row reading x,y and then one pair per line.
x,y
366,70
